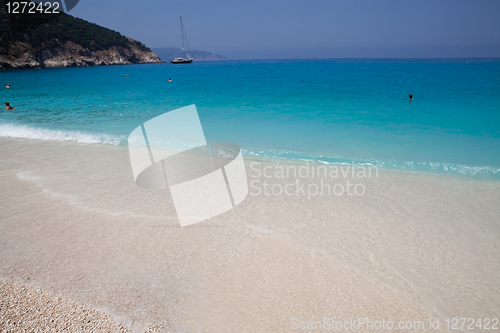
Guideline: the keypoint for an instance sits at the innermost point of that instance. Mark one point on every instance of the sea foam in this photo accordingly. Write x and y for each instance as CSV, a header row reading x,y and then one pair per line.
x,y
27,132
485,171
38,133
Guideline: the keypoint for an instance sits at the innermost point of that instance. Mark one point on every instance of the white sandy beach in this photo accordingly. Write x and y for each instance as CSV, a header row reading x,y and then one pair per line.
x,y
413,247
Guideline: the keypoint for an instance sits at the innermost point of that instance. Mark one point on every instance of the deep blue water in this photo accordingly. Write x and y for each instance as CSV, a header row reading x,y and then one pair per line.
x,y
327,110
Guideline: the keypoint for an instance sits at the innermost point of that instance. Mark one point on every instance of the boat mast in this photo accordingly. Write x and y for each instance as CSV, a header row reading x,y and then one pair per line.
x,y
185,44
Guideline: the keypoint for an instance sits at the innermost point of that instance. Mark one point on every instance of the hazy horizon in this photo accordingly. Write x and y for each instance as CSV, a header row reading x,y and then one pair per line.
x,y
278,29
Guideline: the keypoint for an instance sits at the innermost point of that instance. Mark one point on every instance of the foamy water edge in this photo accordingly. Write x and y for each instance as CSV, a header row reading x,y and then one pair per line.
x,y
38,133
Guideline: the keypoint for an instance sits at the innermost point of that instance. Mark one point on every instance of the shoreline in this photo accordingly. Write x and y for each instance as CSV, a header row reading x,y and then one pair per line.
x,y
431,168
59,67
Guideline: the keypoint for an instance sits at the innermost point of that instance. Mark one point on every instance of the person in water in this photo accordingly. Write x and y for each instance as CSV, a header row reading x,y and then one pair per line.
x,y
411,97
8,86
8,107
169,80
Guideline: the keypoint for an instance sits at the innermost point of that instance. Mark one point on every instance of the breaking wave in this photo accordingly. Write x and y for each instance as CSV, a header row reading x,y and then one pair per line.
x,y
27,132
485,171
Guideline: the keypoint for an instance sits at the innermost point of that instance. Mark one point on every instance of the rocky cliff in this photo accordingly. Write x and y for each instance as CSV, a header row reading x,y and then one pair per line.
x,y
67,42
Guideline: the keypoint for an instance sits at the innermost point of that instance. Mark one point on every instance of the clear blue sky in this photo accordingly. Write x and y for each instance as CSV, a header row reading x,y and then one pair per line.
x,y
246,29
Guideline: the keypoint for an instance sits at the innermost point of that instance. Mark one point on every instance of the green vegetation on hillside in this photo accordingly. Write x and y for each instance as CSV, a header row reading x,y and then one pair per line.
x,y
51,34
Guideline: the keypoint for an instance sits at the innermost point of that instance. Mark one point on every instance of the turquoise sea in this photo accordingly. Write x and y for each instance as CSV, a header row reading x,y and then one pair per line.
x,y
331,111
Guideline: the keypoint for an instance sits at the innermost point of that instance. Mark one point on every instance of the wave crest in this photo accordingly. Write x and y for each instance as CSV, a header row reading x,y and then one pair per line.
x,y
440,167
27,132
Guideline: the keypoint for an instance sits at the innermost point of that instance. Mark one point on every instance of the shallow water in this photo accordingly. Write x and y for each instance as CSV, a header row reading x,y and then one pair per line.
x,y
410,246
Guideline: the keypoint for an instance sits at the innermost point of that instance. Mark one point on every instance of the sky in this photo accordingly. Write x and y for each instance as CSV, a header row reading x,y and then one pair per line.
x,y
273,29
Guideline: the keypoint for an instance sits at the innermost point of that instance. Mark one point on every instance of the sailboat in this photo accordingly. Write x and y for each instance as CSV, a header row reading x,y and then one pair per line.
x,y
186,57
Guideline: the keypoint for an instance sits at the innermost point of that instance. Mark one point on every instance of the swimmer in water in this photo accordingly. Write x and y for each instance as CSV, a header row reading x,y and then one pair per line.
x,y
169,80
8,107
411,97
8,86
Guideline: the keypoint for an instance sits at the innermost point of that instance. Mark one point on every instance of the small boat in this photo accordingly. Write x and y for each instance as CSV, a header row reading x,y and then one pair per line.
x,y
181,61
186,57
